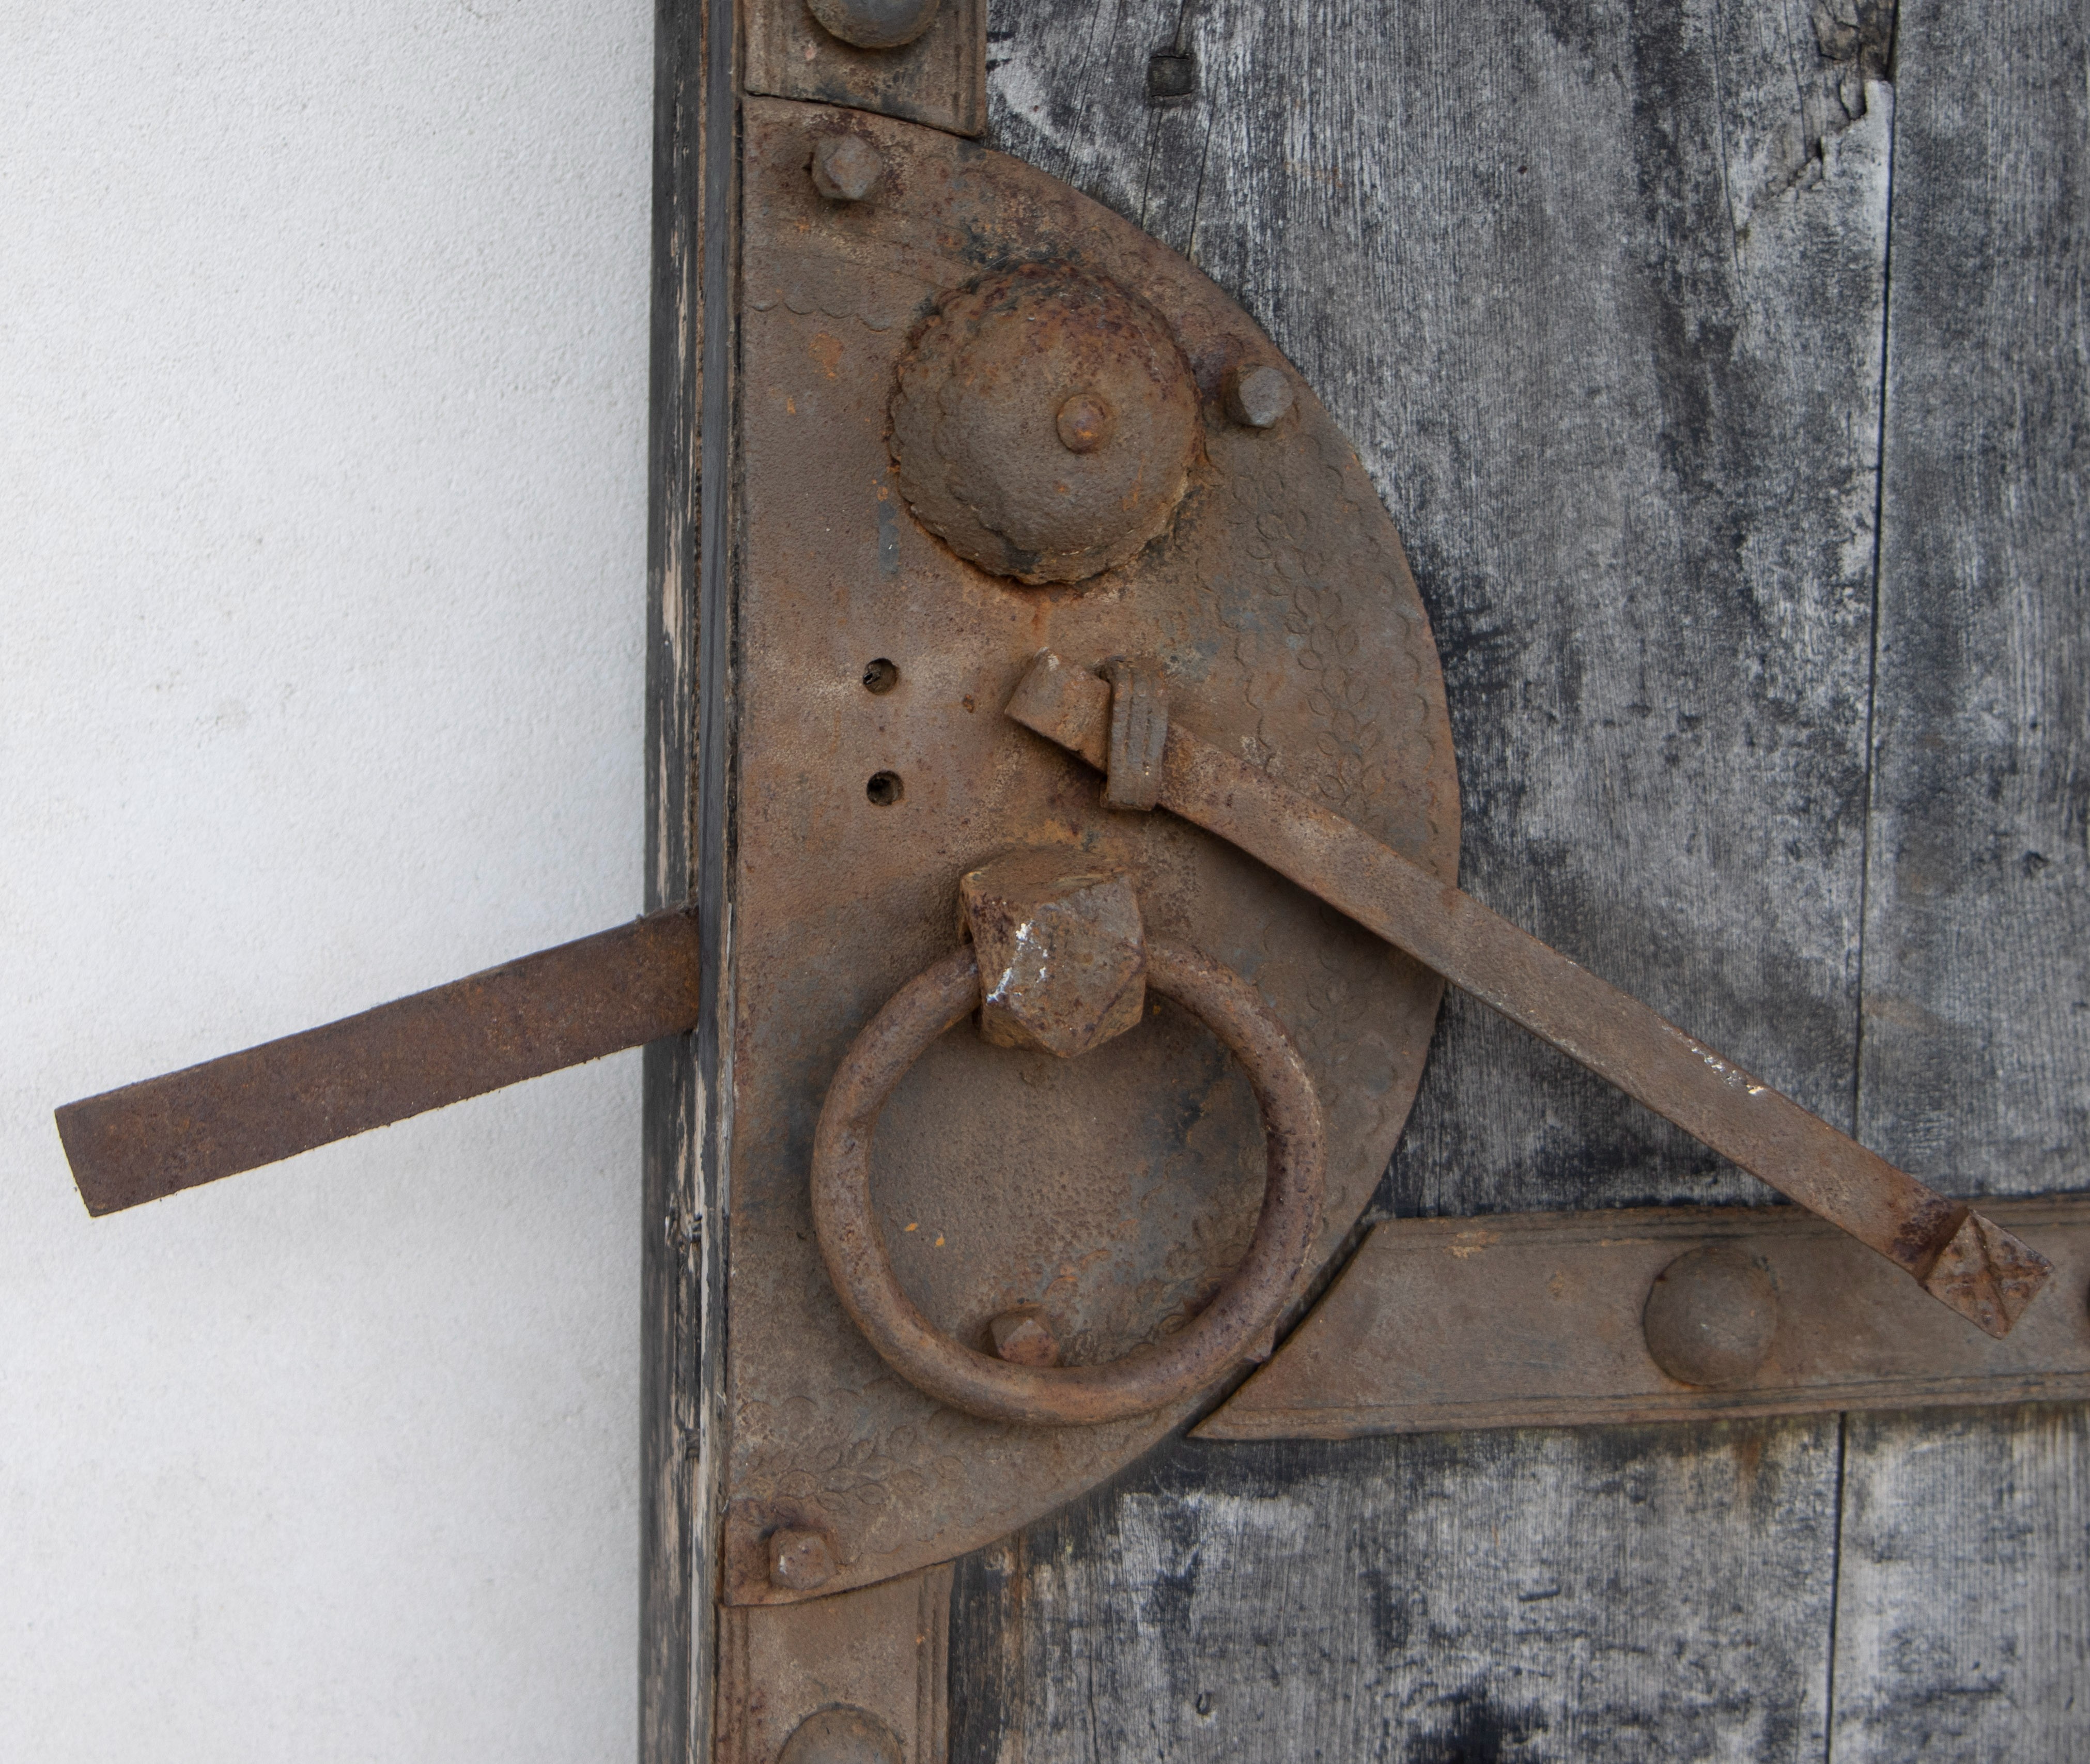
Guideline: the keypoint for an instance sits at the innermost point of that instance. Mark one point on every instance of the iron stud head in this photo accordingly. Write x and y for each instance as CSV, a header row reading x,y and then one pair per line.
x,y
1062,953
1711,1317
1258,398
800,1561
874,23
846,168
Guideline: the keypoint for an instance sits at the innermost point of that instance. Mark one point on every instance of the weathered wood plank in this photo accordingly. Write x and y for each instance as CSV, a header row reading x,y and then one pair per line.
x,y
1597,290
1976,1049
1963,1606
681,1339
1648,1593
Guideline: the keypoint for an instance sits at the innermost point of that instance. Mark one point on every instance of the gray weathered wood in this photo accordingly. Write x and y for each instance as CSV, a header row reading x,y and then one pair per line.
x,y
681,1339
1644,1594
1963,1604
1976,1051
1596,289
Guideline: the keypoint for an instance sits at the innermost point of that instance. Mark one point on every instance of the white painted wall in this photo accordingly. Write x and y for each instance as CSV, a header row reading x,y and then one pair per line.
x,y
322,499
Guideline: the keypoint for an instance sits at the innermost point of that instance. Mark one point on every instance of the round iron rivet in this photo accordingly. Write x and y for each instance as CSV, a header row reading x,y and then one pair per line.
x,y
800,1561
989,456
1084,422
1711,1317
846,168
1022,1339
1258,396
841,1735
874,23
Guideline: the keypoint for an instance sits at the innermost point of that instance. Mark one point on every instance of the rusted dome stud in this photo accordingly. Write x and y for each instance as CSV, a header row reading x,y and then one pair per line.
x,y
1023,1338
1258,398
1045,423
800,1560
1084,422
841,1734
1711,1317
846,168
874,23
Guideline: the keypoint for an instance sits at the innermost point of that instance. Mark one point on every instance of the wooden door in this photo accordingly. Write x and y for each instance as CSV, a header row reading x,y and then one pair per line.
x,y
1723,366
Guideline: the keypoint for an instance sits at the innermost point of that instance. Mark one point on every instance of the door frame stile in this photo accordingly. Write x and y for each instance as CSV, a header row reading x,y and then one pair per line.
x,y
687,1114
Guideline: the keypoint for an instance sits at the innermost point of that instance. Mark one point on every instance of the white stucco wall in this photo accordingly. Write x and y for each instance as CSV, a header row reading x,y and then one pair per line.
x,y
322,543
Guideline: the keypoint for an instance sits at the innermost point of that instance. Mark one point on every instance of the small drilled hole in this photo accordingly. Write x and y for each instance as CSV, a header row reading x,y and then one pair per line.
x,y
884,788
880,676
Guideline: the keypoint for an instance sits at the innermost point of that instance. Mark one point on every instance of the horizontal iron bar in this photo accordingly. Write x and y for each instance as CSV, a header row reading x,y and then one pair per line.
x,y
1535,1320
560,1007
1958,1256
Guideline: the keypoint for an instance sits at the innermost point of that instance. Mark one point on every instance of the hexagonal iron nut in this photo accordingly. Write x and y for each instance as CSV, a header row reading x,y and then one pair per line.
x,y
800,1561
1023,1338
846,168
1062,953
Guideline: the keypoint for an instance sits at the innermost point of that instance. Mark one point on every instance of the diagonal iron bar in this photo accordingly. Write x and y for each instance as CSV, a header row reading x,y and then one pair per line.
x,y
560,1007
1957,1255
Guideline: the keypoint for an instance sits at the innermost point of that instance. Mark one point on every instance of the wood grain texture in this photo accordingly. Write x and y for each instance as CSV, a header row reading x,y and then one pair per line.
x,y
1963,1602
1976,1050
679,1341
1962,1606
1596,289
1520,1595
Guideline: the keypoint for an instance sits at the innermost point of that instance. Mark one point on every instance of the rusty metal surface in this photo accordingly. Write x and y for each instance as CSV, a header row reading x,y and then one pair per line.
x,y
1138,734
1118,1191
1061,951
1002,1387
874,23
559,1008
859,1677
938,77
1962,1259
1045,423
1536,1319
1711,1316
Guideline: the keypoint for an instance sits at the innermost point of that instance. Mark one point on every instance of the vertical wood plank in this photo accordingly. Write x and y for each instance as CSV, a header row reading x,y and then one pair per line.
x,y
1962,1607
688,638
1597,290
1976,1061
1964,1603
669,1287
1660,1593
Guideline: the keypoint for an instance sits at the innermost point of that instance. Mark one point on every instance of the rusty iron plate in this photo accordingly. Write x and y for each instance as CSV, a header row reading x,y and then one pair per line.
x,y
938,79
1114,1191
1544,1319
860,1678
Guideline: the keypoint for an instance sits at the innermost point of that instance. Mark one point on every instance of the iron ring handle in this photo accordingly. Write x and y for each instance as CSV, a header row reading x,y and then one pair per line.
x,y
1180,1365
